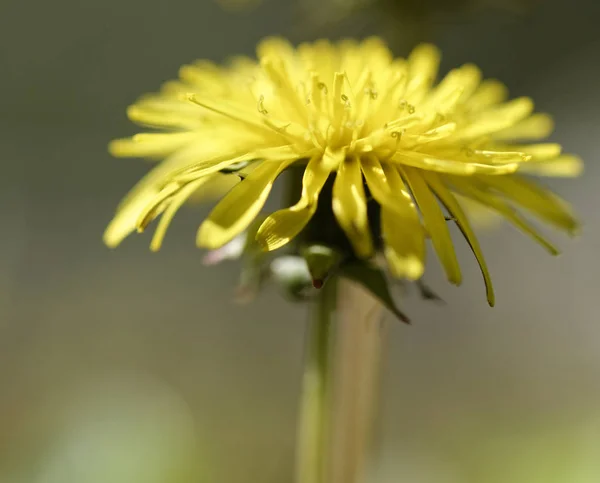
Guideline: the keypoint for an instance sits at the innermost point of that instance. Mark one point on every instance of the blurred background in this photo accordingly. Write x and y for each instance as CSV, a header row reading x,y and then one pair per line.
x,y
127,366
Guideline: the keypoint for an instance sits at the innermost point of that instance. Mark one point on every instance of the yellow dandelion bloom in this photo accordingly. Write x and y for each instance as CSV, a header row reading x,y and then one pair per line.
x,y
378,129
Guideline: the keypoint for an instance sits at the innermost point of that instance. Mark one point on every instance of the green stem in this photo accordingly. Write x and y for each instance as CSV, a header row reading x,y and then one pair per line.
x,y
314,412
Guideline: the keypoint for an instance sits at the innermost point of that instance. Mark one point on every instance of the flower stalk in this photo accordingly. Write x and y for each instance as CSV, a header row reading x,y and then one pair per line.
x,y
340,386
315,400
359,342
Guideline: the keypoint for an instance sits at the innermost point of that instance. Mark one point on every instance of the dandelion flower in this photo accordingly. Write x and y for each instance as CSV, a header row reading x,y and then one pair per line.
x,y
385,153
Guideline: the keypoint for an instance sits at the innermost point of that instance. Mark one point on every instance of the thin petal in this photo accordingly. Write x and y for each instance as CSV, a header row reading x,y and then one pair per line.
x,y
158,204
142,194
404,236
142,205
402,230
277,72
489,93
240,206
145,191
454,209
126,219
497,204
350,206
435,134
377,182
423,64
254,122
565,166
219,185
538,152
205,75
540,201
451,166
175,203
163,113
195,156
150,144
275,47
498,118
456,86
199,169
435,223
283,225
495,157
537,126
481,216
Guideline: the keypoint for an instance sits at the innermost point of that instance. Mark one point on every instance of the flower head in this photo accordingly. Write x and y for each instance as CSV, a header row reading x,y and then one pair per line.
x,y
380,147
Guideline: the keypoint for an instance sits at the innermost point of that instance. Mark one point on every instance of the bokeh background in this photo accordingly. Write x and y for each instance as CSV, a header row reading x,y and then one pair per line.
x,y
131,367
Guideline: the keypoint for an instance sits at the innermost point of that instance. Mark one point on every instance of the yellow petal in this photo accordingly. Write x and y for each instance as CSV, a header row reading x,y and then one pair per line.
x,y
423,63
538,152
455,87
319,57
375,52
562,166
537,126
283,225
164,113
540,201
481,216
499,118
200,169
204,75
255,122
435,134
294,107
240,206
126,219
275,47
220,184
146,190
497,204
451,166
500,157
378,183
489,93
435,223
175,203
158,204
454,209
350,206
404,236
150,144
403,233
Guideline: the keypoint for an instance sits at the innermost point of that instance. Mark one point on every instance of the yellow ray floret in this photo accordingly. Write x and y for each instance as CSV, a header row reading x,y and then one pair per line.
x,y
380,129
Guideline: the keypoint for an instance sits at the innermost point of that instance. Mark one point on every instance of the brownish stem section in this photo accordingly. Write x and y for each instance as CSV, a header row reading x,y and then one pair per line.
x,y
358,338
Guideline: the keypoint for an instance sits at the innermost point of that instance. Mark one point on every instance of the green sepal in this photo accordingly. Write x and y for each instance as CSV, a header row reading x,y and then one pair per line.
x,y
373,280
321,261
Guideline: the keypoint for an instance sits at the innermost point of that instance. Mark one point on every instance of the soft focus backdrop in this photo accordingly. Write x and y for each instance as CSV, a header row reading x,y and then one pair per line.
x,y
132,367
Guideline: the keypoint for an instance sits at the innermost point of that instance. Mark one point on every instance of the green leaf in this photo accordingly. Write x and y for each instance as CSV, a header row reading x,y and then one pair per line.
x,y
373,279
427,293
